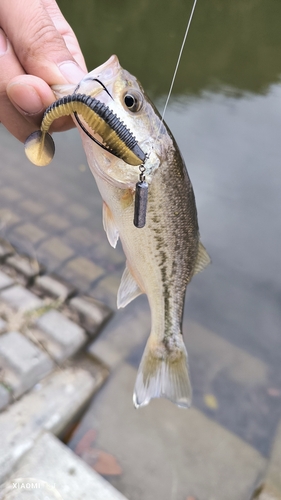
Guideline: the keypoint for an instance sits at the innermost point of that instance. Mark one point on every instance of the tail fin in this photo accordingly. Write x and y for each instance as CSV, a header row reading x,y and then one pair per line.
x,y
163,373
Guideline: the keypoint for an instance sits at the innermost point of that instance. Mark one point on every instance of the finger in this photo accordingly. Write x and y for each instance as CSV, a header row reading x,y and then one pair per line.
x,y
39,46
66,31
25,92
10,67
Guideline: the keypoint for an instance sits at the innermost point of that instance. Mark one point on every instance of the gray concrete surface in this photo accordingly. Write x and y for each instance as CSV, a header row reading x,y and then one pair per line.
x,y
50,406
50,470
172,459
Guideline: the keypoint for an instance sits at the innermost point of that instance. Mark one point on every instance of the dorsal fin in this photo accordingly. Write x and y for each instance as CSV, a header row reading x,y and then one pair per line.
x,y
203,259
128,289
109,226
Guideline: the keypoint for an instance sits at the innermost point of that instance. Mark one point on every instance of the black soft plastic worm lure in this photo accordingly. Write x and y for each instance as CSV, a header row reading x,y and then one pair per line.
x,y
117,139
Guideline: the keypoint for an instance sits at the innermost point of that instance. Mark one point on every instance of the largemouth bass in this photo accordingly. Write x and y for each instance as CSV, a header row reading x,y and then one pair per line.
x,y
163,256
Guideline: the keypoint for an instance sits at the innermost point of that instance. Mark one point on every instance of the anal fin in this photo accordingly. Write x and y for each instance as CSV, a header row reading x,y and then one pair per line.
x,y
128,289
203,259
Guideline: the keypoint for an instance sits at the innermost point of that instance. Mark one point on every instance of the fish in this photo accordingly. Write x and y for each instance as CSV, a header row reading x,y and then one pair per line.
x,y
164,255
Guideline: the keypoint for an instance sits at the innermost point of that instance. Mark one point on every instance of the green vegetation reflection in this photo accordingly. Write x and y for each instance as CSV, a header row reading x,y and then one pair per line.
x,y
231,44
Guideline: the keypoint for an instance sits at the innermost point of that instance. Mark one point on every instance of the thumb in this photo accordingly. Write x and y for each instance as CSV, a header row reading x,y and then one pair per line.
x,y
38,38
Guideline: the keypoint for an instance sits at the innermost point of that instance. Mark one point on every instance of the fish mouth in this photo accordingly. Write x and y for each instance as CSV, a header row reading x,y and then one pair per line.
x,y
100,78
107,70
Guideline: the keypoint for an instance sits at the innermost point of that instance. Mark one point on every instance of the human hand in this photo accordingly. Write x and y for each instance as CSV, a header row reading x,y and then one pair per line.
x,y
37,49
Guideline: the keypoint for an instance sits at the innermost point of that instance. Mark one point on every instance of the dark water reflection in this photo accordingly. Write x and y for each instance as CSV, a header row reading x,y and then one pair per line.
x,y
231,43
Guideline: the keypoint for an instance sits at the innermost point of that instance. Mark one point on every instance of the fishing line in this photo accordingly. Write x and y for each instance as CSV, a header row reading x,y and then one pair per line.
x,y
178,62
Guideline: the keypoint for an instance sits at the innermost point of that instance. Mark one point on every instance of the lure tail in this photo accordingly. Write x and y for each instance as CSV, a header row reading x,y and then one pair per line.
x,y
163,373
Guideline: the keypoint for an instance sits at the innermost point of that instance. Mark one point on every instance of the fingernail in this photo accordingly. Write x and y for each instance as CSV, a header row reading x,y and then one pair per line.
x,y
71,71
3,42
26,98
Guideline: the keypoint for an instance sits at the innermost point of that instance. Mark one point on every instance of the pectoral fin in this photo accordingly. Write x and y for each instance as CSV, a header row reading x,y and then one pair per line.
x,y
109,226
203,259
128,289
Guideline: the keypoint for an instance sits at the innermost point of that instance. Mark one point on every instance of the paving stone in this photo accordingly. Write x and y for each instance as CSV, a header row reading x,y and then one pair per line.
x,y
58,474
30,232
54,286
5,249
54,198
5,281
78,211
82,236
5,397
20,298
25,265
8,218
55,221
55,251
107,288
10,194
51,405
61,336
32,207
92,313
23,363
82,272
3,325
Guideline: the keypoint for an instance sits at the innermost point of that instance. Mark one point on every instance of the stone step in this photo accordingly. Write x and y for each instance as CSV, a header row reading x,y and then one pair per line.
x,y
51,470
51,406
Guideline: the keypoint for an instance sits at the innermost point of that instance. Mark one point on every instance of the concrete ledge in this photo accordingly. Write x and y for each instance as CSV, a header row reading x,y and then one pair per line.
x,y
50,470
51,406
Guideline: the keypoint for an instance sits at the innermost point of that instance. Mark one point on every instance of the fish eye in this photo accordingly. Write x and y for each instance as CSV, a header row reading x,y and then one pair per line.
x,y
133,101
